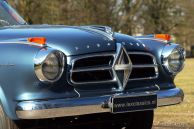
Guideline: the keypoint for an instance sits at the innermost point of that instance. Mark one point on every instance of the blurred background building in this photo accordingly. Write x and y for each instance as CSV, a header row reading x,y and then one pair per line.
x,y
133,17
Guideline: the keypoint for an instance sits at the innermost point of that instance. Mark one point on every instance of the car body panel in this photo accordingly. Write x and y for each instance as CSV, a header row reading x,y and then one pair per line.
x,y
65,39
19,83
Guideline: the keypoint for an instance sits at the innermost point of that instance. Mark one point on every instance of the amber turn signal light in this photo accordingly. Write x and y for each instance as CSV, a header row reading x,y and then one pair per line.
x,y
163,36
38,40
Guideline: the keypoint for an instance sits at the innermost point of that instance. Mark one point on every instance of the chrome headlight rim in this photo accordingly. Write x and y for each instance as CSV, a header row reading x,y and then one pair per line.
x,y
39,60
166,53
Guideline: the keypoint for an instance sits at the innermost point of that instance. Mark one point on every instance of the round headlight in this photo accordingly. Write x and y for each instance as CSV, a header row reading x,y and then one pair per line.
x,y
49,65
173,59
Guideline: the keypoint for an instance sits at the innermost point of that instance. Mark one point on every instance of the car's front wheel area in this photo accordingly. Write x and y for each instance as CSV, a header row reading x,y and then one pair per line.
x,y
133,120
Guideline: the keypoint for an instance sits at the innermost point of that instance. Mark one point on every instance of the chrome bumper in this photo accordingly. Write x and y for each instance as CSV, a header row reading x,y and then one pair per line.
x,y
81,106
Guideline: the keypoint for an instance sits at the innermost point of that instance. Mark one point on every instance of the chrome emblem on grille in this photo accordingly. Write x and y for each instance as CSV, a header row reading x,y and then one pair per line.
x,y
122,67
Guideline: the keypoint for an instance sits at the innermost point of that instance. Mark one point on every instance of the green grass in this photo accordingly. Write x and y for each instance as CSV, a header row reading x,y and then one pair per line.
x,y
181,115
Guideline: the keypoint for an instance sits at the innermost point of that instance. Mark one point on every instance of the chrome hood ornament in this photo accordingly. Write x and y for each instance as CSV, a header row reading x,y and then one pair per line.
x,y
104,30
122,67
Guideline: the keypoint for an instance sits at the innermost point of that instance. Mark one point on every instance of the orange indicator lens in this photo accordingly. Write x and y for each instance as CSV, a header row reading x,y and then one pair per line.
x,y
38,40
163,36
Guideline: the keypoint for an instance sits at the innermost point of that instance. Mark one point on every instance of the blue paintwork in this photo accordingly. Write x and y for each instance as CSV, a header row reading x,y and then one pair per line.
x,y
18,81
67,38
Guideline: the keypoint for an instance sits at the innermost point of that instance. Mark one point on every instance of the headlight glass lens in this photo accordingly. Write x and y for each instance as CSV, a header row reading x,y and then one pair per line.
x,y
51,67
175,60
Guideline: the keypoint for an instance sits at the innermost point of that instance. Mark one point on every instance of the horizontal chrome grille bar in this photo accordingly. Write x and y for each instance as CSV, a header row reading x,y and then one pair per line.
x,y
94,82
109,68
92,69
144,66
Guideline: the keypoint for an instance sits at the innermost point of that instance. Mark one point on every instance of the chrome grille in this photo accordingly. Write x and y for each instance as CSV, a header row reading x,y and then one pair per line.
x,y
97,68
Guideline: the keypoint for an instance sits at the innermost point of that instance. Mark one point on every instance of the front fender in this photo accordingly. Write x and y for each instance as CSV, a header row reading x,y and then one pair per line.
x,y
19,82
16,65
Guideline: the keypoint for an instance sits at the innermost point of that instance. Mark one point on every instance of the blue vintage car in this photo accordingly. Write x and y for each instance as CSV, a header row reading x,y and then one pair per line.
x,y
80,75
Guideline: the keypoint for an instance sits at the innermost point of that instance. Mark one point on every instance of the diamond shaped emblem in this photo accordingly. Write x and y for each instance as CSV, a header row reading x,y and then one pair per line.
x,y
122,67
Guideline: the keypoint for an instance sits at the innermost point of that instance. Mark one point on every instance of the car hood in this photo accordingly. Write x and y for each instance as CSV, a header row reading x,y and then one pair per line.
x,y
72,40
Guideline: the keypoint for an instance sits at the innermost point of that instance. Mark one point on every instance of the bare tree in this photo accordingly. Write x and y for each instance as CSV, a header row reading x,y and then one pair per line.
x,y
161,16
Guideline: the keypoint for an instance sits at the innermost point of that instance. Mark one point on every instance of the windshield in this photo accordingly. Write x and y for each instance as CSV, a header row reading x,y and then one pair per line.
x,y
8,16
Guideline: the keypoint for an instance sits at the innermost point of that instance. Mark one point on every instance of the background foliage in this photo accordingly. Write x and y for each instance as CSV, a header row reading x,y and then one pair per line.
x,y
132,17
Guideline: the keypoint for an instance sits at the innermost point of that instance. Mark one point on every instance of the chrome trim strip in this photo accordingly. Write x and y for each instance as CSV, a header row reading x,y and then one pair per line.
x,y
109,67
122,62
122,67
72,63
161,40
26,43
91,55
107,33
94,82
39,60
144,66
134,79
166,53
82,106
155,65
92,69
